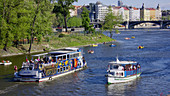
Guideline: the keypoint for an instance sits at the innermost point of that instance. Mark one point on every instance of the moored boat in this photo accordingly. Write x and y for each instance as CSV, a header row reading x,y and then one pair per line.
x,y
5,62
126,38
48,66
112,45
122,71
94,45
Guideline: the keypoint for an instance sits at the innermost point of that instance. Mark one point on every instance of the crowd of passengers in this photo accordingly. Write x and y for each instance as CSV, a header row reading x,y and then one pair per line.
x,y
129,67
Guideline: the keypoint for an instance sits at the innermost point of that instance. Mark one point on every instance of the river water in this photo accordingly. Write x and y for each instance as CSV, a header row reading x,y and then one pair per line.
x,y
154,60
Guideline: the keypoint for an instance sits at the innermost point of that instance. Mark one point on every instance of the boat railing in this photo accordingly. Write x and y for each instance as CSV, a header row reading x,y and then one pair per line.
x,y
132,72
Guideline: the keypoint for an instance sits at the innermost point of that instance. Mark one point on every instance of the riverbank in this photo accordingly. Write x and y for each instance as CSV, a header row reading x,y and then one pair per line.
x,y
57,42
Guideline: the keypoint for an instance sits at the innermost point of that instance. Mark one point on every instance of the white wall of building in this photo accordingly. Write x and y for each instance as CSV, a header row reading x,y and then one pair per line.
x,y
101,11
134,14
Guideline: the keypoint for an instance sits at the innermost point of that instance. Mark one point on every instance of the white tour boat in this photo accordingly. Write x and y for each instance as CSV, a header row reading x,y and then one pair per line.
x,y
122,71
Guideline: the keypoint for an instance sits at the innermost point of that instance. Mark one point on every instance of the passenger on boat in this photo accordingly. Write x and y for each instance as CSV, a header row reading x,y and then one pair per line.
x,y
121,68
138,66
84,60
50,59
134,67
131,67
31,61
41,61
15,68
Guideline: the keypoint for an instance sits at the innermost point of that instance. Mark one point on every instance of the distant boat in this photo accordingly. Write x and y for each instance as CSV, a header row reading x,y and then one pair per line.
x,y
122,71
112,45
94,45
140,47
90,51
5,62
127,38
133,37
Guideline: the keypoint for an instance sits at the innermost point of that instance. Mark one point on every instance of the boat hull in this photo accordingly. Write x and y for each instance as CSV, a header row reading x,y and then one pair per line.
x,y
112,79
9,63
29,79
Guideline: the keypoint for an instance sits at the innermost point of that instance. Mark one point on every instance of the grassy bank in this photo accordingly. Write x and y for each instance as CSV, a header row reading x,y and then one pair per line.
x,y
56,42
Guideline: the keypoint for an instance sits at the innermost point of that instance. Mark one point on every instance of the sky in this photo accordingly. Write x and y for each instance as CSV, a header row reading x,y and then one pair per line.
x,y
164,4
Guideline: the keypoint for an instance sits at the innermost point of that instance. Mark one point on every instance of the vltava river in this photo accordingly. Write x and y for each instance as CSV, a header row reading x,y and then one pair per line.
x,y
154,60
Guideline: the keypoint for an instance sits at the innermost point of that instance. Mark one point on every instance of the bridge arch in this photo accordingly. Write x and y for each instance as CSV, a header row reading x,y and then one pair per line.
x,y
165,25
133,23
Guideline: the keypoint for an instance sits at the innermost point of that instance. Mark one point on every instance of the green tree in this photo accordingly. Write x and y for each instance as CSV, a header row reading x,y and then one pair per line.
x,y
74,22
85,18
111,21
58,20
40,19
8,21
63,7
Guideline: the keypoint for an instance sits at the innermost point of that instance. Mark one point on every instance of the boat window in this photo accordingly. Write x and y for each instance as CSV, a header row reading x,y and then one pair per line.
x,y
61,69
59,58
68,57
64,57
67,68
119,74
58,70
30,68
115,67
113,73
54,59
64,68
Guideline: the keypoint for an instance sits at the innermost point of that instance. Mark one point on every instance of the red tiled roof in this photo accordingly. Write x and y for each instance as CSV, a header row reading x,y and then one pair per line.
x,y
125,8
150,9
135,8
118,7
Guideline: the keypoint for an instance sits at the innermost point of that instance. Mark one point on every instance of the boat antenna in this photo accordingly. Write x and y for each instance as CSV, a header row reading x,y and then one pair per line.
x,y
117,60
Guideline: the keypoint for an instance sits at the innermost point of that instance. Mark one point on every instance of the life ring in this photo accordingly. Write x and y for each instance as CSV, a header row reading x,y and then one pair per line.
x,y
41,66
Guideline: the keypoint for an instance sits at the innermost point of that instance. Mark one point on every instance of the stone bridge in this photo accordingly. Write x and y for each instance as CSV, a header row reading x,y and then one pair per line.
x,y
131,24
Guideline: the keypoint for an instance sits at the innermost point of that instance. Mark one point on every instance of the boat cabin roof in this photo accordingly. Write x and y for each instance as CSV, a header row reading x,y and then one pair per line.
x,y
122,62
59,52
73,49
38,55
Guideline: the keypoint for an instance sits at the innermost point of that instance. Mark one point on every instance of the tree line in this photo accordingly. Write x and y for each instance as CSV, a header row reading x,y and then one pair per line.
x,y
29,19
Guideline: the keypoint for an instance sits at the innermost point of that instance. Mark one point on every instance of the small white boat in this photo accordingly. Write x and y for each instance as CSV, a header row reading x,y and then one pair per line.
x,y
122,71
5,63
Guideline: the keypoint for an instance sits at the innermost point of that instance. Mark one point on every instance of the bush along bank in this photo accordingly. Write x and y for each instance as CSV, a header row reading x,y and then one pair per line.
x,y
57,41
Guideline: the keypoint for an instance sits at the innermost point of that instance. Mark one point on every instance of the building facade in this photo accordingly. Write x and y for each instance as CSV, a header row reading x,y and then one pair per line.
x,y
158,13
98,11
101,11
144,14
134,14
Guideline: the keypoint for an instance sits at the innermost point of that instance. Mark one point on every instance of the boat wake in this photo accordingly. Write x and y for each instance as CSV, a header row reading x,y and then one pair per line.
x,y
10,88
